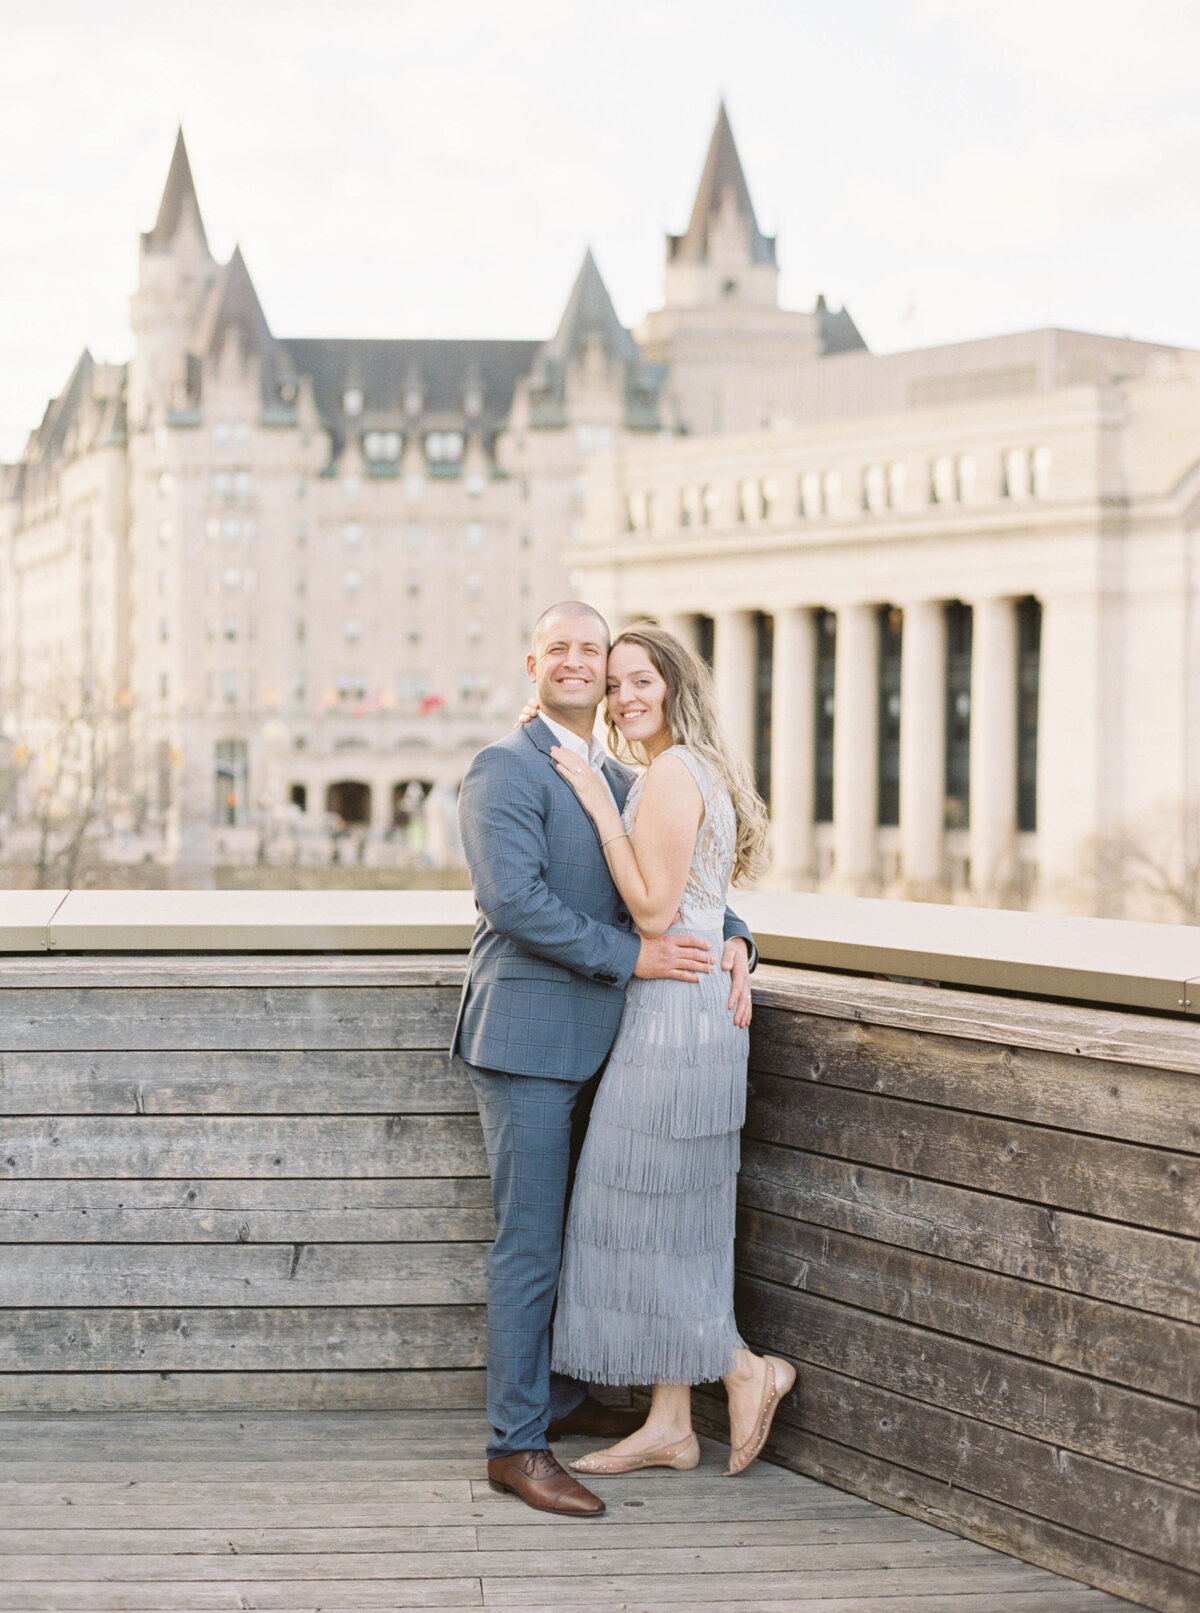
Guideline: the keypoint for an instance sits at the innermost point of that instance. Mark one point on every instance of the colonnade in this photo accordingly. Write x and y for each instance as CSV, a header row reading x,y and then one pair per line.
x,y
990,835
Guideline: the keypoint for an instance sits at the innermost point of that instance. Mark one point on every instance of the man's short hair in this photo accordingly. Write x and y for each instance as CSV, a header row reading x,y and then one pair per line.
x,y
569,607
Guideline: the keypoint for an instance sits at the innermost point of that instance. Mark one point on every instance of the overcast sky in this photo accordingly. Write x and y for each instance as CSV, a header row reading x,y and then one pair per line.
x,y
947,168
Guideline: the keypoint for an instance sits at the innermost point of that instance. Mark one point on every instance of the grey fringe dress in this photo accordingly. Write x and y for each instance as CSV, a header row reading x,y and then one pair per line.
x,y
646,1292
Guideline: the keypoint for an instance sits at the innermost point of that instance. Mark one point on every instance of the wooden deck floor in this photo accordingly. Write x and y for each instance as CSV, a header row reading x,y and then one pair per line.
x,y
348,1511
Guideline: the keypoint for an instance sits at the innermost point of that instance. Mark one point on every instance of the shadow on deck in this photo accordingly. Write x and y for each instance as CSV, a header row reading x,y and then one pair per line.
x,y
166,1512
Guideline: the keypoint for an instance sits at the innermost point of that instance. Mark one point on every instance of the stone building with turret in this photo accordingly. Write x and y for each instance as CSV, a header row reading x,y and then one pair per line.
x,y
301,573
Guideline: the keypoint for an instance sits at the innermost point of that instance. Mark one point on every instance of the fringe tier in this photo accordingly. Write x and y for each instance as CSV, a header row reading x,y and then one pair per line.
x,y
646,1293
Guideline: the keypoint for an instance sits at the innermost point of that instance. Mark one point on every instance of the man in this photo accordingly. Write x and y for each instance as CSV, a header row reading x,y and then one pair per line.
x,y
552,953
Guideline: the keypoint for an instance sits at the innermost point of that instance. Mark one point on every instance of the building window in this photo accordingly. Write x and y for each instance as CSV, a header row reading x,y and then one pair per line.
x,y
1029,649
764,663
231,780
229,627
164,686
444,447
164,630
710,505
222,484
413,583
891,635
301,583
298,796
231,579
383,446
750,500
229,685
242,483
831,492
352,630
959,626
301,632
475,486
413,539
414,632
897,483
474,583
826,676
941,480
300,687
1016,473
352,535
352,401
966,478
874,488
475,535
351,581
1039,472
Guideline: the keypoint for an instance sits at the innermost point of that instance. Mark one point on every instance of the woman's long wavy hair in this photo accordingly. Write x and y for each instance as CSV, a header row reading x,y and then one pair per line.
x,y
690,711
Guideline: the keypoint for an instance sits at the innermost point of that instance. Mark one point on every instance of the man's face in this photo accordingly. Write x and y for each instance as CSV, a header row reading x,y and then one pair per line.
x,y
567,665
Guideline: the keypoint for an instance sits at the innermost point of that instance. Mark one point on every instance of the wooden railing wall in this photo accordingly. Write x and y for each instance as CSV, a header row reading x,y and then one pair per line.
x,y
972,1221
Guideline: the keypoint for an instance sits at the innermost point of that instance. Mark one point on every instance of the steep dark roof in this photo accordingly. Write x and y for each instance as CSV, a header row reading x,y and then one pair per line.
x,y
722,177
839,333
590,317
179,197
50,437
385,371
233,305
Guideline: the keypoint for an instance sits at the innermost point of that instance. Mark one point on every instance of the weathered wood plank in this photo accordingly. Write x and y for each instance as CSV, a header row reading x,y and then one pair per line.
x,y
96,1019
286,1596
424,1225
244,1274
1150,1271
387,1389
221,1196
900,1565
1111,1099
120,971
1146,1435
191,1082
1096,1176
1144,1515
154,1146
1055,1547
320,1338
1105,1342
1084,1032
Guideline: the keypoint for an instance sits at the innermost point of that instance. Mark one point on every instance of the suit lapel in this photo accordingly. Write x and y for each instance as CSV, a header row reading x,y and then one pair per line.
x,y
617,776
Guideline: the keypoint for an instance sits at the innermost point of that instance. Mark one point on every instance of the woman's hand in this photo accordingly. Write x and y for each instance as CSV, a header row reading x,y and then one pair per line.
x,y
588,786
528,712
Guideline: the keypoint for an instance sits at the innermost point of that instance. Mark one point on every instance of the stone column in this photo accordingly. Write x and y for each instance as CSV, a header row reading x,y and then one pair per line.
x,y
993,829
793,696
1078,731
733,673
682,625
855,749
923,747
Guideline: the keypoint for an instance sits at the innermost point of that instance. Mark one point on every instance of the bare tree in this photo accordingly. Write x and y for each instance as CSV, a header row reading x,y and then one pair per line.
x,y
63,756
1156,857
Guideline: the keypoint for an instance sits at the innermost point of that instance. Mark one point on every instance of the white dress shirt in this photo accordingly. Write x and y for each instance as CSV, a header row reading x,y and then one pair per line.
x,y
588,750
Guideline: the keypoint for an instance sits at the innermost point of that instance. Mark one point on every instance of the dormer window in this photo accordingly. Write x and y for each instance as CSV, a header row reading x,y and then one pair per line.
x,y
413,401
352,402
382,445
444,447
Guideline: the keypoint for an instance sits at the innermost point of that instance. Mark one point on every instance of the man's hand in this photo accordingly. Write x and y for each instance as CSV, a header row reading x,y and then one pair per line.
x,y
675,957
735,960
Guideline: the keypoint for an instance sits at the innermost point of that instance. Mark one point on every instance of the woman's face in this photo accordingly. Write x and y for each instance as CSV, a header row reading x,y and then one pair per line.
x,y
636,692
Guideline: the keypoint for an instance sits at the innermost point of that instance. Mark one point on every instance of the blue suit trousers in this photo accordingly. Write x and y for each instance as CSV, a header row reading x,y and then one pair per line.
x,y
533,1129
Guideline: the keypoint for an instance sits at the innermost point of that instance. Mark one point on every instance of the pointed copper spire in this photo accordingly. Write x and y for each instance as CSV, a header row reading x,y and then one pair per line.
x,y
722,178
178,198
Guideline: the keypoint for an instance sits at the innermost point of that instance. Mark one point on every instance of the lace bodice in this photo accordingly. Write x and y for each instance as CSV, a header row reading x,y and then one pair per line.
x,y
704,896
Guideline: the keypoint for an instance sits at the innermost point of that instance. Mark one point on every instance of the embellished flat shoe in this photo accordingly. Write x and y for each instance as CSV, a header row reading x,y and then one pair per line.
x,y
682,1456
781,1375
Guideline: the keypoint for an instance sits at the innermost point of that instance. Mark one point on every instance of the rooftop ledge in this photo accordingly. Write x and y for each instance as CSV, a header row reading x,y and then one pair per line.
x,y
1152,967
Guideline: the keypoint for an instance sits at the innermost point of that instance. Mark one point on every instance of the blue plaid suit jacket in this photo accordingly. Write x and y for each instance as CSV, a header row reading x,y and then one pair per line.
x,y
554,946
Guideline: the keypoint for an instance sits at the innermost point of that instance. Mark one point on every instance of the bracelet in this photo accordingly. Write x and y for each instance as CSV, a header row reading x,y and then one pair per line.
x,y
623,835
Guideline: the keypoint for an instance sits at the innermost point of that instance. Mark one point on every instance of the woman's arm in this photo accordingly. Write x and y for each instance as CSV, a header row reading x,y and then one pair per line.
x,y
651,869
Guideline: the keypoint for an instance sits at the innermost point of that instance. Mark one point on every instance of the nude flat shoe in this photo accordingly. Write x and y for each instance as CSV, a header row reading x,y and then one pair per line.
x,y
781,1375
682,1456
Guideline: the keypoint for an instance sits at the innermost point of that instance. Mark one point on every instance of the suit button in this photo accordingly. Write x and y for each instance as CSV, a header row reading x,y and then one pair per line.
x,y
622,917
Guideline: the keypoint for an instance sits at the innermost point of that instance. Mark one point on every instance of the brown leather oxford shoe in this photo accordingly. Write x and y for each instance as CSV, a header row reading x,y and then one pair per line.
x,y
538,1480
593,1417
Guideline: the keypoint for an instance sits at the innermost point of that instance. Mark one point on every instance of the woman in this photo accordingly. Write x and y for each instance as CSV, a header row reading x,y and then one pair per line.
x,y
646,1293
